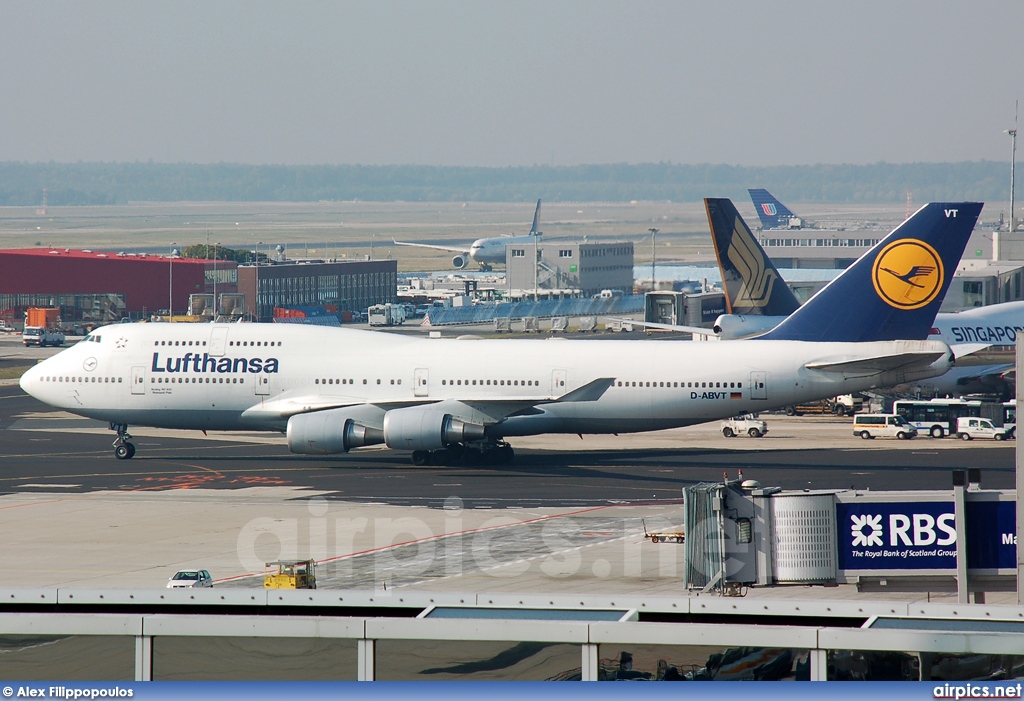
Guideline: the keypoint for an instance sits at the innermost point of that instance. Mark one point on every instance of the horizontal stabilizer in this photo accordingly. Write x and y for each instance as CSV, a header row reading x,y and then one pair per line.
x,y
877,364
962,349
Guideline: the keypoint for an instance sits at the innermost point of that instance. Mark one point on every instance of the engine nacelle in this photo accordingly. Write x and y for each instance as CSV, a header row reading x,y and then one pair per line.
x,y
427,428
460,261
331,431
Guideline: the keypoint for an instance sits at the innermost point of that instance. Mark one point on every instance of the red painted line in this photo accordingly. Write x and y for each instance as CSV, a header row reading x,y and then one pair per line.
x,y
437,537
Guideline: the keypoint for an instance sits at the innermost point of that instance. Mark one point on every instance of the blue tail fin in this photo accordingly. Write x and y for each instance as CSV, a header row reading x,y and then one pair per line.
x,y
536,221
752,284
772,213
893,291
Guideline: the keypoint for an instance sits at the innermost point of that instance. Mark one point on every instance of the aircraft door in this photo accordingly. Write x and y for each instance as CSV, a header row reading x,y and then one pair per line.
x,y
421,382
558,383
262,384
138,379
218,341
759,385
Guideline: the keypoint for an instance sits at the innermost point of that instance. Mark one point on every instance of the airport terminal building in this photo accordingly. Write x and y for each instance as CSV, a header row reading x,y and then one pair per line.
x,y
349,285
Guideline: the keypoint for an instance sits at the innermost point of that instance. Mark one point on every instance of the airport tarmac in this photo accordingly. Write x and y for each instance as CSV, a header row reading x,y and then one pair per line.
x,y
567,516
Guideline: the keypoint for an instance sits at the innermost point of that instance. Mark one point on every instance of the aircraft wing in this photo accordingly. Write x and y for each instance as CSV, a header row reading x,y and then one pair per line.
x,y
666,327
452,249
495,410
876,365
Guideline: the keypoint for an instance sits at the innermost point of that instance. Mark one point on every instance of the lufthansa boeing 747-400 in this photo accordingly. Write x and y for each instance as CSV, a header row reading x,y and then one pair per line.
x,y
332,390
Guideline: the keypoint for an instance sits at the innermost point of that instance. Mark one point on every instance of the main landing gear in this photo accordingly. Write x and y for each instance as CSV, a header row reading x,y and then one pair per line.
x,y
489,453
123,449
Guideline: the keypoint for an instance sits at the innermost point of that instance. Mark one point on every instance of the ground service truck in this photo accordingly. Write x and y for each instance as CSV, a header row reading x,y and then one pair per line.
x,y
42,327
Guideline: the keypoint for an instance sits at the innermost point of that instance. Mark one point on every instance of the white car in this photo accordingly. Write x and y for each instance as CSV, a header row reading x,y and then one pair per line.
x,y
969,427
187,579
744,424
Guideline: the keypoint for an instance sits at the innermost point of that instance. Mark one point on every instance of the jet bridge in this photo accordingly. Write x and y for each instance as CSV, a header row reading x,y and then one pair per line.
x,y
739,534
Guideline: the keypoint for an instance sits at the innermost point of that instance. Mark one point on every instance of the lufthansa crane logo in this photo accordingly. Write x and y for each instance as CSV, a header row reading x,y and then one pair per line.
x,y
907,274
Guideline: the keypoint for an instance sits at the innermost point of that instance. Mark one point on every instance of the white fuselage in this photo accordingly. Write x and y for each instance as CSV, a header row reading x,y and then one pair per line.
x,y
255,376
492,250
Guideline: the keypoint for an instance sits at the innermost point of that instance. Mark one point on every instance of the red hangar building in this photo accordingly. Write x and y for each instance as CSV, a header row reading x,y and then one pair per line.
x,y
95,287
101,287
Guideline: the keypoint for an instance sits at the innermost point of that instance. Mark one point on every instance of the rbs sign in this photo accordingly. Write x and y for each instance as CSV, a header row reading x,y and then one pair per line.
x,y
922,535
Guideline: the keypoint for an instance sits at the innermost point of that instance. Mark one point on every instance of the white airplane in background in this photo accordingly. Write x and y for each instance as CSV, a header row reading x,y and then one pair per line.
x,y
485,251
332,390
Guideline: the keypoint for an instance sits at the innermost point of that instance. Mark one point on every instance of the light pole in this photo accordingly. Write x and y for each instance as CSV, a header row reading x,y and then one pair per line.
x,y
216,304
258,280
654,258
1013,161
170,283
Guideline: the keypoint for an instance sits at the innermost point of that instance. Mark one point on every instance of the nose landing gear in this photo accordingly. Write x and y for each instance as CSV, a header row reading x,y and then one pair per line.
x,y
123,448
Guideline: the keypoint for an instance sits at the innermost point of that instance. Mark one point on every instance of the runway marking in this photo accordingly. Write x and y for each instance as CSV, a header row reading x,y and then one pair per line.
x,y
50,486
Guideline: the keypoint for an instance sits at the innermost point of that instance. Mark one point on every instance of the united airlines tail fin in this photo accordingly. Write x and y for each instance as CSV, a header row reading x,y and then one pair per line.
x,y
534,230
752,283
893,291
772,213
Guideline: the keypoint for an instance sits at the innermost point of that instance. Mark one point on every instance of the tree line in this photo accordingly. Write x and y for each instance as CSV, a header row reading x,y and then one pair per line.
x,y
22,184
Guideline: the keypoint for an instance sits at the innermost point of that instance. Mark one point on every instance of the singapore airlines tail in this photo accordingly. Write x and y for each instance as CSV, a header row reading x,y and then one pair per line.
x,y
752,283
895,289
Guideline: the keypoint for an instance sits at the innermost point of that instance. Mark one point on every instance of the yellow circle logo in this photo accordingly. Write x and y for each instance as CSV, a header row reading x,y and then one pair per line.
x,y
907,274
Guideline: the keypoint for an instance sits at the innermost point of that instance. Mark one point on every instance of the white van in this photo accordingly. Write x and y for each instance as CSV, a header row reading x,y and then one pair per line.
x,y
968,427
886,425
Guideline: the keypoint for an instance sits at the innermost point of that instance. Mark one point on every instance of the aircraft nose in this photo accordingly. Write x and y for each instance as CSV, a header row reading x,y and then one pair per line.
x,y
30,380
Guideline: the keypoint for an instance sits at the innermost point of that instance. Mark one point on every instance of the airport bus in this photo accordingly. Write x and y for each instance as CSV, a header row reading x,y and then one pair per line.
x,y
937,417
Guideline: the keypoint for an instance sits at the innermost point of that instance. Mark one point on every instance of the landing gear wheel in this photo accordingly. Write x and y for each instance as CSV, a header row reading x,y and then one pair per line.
x,y
123,448
505,454
791,411
421,457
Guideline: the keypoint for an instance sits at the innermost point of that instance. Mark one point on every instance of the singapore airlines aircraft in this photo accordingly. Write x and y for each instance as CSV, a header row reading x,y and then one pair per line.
x,y
485,251
332,390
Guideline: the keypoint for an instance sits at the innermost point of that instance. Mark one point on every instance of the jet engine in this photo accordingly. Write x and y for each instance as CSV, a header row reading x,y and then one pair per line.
x,y
331,431
459,262
427,428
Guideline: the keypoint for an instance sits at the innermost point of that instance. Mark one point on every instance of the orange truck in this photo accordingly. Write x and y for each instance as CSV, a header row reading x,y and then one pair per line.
x,y
42,327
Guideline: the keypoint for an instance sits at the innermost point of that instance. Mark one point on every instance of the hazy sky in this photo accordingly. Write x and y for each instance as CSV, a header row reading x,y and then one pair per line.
x,y
514,83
